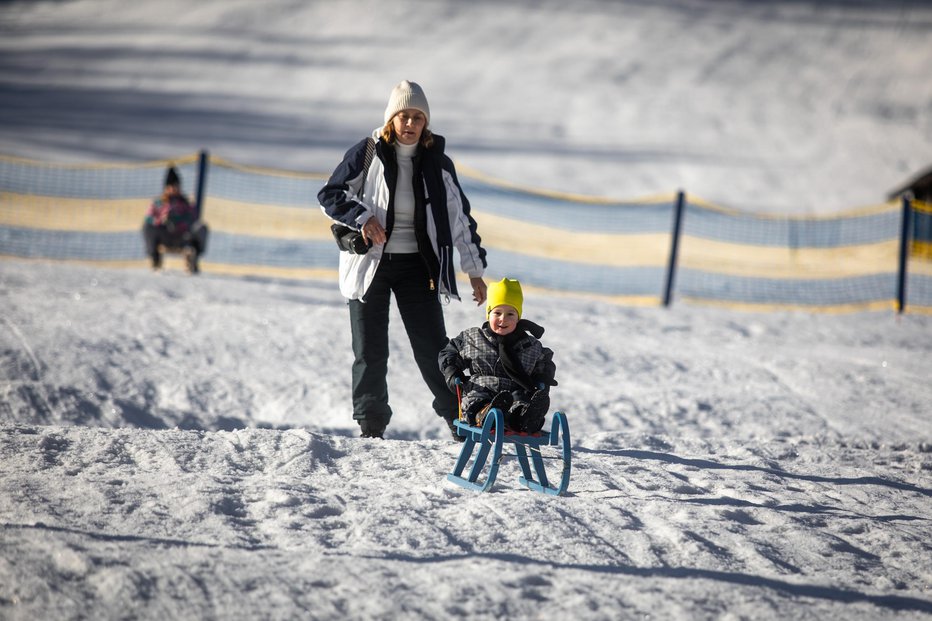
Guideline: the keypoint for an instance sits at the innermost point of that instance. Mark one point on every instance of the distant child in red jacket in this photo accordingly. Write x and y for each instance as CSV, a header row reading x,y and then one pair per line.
x,y
173,222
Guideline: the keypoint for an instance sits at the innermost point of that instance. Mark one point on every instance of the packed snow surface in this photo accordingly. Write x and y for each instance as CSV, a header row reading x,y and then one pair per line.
x,y
178,447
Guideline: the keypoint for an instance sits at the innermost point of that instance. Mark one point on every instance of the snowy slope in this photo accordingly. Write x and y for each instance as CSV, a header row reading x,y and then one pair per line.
x,y
182,448
177,447
769,106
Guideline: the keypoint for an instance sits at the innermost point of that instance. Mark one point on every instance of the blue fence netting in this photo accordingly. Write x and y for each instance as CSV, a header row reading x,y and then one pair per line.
x,y
268,222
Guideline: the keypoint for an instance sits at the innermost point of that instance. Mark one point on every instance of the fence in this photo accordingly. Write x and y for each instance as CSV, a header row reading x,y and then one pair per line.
x,y
646,252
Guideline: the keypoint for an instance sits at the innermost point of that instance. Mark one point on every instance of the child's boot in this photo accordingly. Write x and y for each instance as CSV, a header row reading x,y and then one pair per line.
x,y
502,401
529,417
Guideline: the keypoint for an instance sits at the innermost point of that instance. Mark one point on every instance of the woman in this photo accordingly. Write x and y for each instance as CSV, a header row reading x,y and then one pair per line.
x,y
411,210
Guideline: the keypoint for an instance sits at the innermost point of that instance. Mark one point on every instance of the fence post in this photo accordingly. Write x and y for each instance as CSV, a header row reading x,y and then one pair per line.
x,y
904,253
674,247
201,182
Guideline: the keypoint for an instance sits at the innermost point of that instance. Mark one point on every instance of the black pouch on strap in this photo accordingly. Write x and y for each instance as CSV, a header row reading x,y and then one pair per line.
x,y
349,240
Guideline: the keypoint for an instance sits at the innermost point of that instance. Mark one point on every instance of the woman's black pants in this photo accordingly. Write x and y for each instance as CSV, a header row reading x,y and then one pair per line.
x,y
405,276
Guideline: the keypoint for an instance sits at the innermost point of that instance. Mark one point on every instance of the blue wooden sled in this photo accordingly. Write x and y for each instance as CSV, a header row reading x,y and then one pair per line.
x,y
491,438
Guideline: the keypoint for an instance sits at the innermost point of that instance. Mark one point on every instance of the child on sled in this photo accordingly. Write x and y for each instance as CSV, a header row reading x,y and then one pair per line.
x,y
502,364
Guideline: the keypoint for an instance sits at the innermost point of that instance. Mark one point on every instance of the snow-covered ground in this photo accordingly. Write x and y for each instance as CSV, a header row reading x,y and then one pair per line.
x,y
177,447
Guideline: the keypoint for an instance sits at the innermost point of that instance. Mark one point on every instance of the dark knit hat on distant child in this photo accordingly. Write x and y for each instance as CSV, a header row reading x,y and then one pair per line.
x,y
407,94
172,178
506,291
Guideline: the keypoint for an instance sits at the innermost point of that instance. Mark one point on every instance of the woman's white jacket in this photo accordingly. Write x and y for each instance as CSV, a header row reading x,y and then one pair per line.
x,y
442,218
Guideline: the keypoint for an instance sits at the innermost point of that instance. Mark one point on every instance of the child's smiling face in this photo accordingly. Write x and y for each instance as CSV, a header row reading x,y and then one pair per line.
x,y
503,319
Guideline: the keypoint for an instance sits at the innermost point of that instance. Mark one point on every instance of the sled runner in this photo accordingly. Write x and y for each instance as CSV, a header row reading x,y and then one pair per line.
x,y
490,439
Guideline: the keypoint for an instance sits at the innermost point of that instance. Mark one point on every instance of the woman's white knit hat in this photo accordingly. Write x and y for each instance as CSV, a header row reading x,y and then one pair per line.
x,y
407,95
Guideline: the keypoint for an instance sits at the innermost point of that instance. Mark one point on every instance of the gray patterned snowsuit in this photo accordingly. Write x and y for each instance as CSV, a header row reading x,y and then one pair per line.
x,y
478,352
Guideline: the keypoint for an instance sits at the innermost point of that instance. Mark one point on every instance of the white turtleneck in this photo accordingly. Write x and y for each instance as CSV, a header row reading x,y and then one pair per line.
x,y
403,239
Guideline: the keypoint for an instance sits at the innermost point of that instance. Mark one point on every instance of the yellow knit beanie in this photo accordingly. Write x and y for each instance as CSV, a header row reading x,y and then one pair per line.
x,y
506,291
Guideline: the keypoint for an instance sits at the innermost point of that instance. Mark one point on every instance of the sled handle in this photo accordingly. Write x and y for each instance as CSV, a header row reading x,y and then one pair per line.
x,y
459,397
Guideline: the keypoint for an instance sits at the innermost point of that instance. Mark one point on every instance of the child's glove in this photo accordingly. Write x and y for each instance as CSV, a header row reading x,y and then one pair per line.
x,y
545,381
546,371
453,376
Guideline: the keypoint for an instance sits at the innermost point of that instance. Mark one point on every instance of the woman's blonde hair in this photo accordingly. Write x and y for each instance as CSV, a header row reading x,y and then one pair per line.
x,y
388,135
